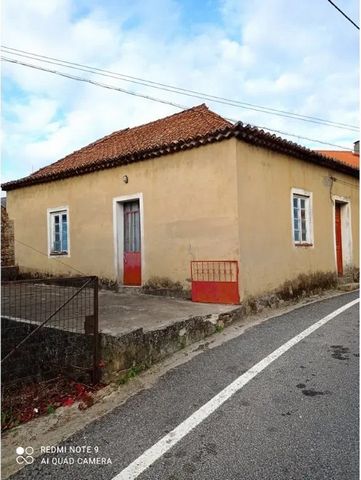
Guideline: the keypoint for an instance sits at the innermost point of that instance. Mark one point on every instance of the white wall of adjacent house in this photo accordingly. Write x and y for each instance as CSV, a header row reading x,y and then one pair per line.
x,y
346,230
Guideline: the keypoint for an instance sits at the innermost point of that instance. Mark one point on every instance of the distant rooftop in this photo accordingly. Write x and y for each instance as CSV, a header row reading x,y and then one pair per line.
x,y
344,156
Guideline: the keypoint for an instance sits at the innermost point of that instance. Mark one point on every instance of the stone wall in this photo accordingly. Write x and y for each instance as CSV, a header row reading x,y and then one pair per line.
x,y
140,349
46,354
7,240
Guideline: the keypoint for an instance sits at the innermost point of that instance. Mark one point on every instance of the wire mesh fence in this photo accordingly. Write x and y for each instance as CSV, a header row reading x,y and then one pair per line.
x,y
49,328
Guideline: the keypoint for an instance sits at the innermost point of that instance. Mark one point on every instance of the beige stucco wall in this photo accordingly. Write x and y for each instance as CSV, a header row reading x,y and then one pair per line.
x,y
227,200
190,212
268,256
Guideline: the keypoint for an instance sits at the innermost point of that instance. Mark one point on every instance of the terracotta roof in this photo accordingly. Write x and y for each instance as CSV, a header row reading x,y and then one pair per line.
x,y
344,156
188,129
182,126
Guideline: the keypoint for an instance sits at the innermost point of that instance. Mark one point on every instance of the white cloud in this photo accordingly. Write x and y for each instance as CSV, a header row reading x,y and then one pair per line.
x,y
36,114
261,52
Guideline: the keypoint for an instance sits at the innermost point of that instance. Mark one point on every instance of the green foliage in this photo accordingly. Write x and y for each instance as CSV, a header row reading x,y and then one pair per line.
x,y
307,284
129,374
107,284
156,283
356,274
8,419
183,342
50,409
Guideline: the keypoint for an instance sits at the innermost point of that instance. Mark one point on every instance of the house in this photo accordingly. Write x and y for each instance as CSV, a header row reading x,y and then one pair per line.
x,y
345,156
149,200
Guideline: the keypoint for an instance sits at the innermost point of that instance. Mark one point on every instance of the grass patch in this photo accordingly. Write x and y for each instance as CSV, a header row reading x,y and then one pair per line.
x,y
164,286
8,418
50,409
107,284
160,283
129,374
356,274
307,284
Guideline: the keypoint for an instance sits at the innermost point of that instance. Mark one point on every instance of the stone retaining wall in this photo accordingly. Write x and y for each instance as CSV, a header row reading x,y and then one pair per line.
x,y
46,354
139,349
7,239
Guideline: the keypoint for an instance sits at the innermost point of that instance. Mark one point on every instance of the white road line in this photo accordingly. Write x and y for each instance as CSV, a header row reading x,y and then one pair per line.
x,y
143,462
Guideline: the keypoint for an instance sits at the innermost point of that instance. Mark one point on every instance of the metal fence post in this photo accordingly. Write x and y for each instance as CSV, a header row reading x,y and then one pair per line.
x,y
96,354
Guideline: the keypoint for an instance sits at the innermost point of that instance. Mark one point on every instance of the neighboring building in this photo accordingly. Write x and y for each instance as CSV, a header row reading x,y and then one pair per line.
x,y
7,237
346,156
148,200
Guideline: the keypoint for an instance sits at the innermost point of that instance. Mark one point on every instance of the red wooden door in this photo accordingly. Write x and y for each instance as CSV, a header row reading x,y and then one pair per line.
x,y
338,235
132,244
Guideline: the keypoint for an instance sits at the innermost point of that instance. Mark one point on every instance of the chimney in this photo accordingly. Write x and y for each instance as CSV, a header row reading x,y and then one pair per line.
x,y
356,147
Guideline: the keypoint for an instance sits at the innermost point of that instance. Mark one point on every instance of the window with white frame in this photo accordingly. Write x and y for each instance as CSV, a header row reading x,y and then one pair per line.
x,y
59,232
302,218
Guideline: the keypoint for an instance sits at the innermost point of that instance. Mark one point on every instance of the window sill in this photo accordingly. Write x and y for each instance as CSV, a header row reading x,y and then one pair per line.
x,y
59,254
303,244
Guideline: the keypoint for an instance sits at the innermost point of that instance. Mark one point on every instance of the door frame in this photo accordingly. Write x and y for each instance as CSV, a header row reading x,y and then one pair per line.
x,y
118,234
346,231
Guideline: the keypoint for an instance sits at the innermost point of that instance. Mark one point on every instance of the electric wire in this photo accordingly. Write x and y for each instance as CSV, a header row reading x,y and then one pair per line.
x,y
178,90
148,97
344,14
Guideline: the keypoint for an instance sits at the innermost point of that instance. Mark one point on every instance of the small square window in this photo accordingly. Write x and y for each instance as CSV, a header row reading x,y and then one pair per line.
x,y
302,218
58,232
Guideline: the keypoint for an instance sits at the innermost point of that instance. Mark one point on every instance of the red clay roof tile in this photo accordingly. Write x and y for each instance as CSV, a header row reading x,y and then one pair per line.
x,y
185,130
182,126
343,156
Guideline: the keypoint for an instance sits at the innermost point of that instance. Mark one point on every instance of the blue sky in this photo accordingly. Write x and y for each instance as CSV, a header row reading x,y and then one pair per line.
x,y
290,55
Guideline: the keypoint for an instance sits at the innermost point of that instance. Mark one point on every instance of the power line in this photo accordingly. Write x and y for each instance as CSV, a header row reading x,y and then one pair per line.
x,y
93,82
302,137
178,90
54,258
154,99
353,185
344,14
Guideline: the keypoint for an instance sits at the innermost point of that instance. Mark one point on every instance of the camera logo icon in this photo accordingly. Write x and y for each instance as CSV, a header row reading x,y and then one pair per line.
x,y
24,455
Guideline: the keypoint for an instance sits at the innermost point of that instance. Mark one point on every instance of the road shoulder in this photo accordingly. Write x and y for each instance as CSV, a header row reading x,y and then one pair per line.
x,y
66,421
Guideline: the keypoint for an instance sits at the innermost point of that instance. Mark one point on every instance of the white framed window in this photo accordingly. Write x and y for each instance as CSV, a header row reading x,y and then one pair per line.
x,y
58,231
302,224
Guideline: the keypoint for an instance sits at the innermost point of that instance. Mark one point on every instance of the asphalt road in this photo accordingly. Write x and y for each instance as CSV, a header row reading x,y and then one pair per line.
x,y
297,419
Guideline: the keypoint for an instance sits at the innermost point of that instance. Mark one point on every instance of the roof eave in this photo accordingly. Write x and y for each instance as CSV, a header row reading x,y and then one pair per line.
x,y
264,139
242,132
219,135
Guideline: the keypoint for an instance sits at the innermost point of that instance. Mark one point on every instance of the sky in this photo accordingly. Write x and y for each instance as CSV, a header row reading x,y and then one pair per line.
x,y
298,56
